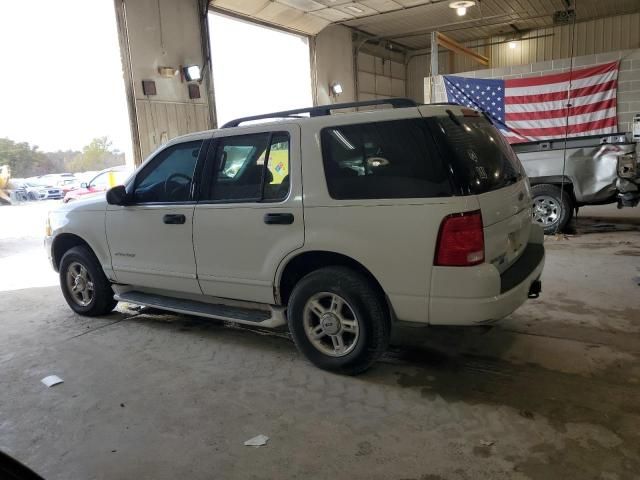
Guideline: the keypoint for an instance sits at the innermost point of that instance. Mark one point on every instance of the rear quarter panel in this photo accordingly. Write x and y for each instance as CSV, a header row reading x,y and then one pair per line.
x,y
593,176
394,239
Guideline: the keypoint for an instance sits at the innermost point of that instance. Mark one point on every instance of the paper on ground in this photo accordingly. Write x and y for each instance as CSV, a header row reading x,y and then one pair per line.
x,y
257,441
51,380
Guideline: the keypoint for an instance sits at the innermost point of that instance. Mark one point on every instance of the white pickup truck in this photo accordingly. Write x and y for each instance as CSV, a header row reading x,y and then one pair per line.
x,y
590,170
338,225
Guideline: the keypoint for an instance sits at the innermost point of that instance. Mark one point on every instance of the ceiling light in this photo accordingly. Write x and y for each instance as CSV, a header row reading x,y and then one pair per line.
x,y
461,6
513,44
354,9
336,89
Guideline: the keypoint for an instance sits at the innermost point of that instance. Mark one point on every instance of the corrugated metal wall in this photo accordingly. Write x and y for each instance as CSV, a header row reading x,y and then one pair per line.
x,y
419,67
591,37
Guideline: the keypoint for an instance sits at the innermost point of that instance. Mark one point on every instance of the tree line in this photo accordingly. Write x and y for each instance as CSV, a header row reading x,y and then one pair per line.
x,y
26,160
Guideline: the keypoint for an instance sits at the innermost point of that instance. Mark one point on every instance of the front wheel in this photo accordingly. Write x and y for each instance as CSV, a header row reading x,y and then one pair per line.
x,y
552,207
84,285
338,320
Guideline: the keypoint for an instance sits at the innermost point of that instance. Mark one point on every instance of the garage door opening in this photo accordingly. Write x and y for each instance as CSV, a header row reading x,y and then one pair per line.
x,y
257,69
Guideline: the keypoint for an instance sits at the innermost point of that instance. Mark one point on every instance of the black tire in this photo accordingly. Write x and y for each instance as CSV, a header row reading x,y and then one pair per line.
x,y
102,301
559,204
365,302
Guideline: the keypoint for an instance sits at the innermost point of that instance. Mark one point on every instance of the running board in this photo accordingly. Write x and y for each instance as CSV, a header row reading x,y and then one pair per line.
x,y
247,316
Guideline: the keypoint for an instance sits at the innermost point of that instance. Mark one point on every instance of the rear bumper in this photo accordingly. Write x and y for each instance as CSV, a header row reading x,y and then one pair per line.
x,y
496,295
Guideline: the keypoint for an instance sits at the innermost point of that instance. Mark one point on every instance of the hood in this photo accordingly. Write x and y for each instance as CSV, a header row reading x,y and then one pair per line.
x,y
89,203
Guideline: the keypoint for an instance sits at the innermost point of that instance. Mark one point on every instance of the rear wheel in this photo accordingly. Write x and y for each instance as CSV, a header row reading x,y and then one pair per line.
x,y
552,208
338,320
84,285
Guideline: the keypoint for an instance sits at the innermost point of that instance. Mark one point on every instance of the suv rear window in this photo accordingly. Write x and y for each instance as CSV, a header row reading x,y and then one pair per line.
x,y
481,159
393,159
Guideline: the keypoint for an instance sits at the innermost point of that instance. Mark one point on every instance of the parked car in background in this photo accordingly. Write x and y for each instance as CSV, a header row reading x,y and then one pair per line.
x,y
38,191
101,182
340,226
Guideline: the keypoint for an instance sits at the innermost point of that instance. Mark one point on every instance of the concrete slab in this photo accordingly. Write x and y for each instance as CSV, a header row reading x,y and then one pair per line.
x,y
551,392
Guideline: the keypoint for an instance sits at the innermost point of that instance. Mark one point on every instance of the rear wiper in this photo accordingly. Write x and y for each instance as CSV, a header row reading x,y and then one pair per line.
x,y
453,118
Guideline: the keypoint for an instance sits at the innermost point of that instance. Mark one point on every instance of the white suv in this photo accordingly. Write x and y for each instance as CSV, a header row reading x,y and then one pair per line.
x,y
338,224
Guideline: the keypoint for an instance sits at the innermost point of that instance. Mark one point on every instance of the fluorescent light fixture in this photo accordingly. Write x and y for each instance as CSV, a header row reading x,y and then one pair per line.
x,y
461,6
513,44
336,88
354,9
192,73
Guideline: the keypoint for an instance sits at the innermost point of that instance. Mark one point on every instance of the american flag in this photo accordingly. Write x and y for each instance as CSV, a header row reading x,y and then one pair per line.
x,y
536,108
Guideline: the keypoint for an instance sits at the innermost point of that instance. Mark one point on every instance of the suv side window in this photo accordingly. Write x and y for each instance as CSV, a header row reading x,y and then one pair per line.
x,y
392,159
243,175
169,175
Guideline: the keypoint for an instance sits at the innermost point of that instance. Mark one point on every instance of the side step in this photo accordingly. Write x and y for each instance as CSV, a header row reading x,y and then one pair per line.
x,y
246,316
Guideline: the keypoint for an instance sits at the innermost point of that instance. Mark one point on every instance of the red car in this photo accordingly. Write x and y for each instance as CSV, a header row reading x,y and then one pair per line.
x,y
103,181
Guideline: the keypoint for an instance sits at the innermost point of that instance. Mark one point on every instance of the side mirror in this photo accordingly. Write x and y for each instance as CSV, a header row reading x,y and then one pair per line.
x,y
84,185
117,195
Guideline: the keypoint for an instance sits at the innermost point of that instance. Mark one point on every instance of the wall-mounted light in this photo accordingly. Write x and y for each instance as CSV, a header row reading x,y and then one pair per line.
x,y
513,44
192,73
335,88
167,72
461,6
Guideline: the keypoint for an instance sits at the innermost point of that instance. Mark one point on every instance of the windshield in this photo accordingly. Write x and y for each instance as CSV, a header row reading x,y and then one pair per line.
x,y
481,159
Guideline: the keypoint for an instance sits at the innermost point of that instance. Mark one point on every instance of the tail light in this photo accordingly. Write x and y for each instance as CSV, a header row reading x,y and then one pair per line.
x,y
460,240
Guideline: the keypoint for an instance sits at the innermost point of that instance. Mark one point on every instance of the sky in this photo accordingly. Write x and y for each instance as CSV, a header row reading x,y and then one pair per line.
x,y
61,83
260,70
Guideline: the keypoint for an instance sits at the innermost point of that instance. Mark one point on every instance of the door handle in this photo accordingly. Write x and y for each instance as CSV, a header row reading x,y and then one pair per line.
x,y
174,219
278,218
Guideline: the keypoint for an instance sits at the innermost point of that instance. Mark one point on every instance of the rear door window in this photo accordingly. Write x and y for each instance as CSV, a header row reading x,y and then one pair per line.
x,y
243,175
393,159
481,159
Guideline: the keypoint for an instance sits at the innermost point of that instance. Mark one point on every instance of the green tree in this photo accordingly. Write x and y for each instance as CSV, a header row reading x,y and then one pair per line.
x,y
95,156
23,159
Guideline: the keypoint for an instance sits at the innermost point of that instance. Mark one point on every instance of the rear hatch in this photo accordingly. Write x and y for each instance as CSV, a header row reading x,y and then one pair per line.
x,y
484,165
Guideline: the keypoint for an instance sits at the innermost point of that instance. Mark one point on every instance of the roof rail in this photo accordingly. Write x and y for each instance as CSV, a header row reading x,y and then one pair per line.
x,y
324,110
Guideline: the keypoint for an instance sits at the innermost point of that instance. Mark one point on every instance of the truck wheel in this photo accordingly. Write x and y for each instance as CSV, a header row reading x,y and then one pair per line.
x,y
552,209
84,285
338,320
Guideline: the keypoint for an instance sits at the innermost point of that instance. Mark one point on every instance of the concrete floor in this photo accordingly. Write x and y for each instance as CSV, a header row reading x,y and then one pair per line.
x,y
552,392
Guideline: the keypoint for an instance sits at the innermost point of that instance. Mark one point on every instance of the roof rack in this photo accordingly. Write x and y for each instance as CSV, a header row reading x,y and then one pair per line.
x,y
324,110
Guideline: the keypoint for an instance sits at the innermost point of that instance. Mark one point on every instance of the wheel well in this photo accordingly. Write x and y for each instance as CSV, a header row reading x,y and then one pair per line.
x,y
307,262
566,186
62,244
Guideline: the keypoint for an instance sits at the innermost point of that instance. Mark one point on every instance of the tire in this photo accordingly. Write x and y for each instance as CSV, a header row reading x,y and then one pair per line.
x,y
552,209
363,320
98,300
